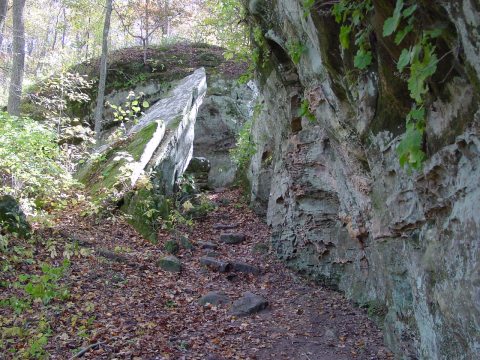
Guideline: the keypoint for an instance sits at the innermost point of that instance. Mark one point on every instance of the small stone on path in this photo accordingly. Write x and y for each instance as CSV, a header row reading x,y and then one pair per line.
x,y
170,263
214,298
110,255
216,265
248,304
245,268
208,245
210,253
232,238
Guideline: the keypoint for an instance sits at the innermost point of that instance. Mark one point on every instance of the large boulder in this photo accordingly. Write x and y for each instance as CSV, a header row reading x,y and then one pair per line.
x,y
161,144
12,218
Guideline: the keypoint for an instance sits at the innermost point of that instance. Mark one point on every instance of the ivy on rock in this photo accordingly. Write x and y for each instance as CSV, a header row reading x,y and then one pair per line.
x,y
419,61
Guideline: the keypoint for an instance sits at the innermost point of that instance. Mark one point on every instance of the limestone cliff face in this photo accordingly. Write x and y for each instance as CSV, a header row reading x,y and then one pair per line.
x,y
405,245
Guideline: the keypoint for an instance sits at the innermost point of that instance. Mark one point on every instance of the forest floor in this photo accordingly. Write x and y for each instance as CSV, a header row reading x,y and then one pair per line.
x,y
122,305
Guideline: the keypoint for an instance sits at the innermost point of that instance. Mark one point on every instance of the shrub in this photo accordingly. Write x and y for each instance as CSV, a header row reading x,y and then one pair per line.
x,y
245,148
31,162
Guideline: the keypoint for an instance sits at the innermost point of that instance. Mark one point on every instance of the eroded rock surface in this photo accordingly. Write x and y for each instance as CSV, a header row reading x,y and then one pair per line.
x,y
342,210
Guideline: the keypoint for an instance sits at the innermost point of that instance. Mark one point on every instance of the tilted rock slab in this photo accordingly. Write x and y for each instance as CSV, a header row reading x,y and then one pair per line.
x,y
160,144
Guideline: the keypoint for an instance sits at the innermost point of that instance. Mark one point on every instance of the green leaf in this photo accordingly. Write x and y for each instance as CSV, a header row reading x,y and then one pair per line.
x,y
145,104
434,33
337,11
135,103
391,24
410,148
409,11
362,59
416,114
402,34
420,71
345,36
404,59
356,17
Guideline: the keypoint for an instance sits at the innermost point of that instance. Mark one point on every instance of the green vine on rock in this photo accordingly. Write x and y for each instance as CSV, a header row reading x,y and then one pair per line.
x,y
352,15
305,111
295,50
307,7
421,61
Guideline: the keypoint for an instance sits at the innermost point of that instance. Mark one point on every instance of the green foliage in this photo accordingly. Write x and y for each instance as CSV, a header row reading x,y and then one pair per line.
x,y
352,15
410,148
56,104
305,111
46,286
176,219
199,207
295,49
130,81
226,25
171,247
307,7
421,60
392,23
32,163
423,64
245,147
130,111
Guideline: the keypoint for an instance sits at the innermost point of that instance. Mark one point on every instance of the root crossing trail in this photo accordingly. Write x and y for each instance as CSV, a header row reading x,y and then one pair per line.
x,y
123,305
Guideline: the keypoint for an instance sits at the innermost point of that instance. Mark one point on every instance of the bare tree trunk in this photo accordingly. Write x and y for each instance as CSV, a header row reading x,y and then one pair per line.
x,y
65,24
18,65
147,20
3,17
166,21
88,40
103,70
55,30
144,45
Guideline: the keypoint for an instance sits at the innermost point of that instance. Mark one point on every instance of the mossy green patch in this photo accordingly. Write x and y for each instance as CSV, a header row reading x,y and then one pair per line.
x,y
172,125
376,311
106,173
141,208
145,208
140,140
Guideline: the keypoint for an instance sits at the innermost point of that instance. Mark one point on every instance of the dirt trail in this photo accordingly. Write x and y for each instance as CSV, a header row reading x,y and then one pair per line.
x,y
125,305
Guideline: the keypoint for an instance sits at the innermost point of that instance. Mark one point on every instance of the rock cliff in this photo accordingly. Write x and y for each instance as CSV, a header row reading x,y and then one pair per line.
x,y
402,243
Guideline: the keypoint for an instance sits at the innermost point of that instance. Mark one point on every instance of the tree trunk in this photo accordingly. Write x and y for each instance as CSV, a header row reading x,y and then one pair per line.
x,y
55,32
16,78
88,40
3,17
64,30
103,70
144,45
147,29
166,21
